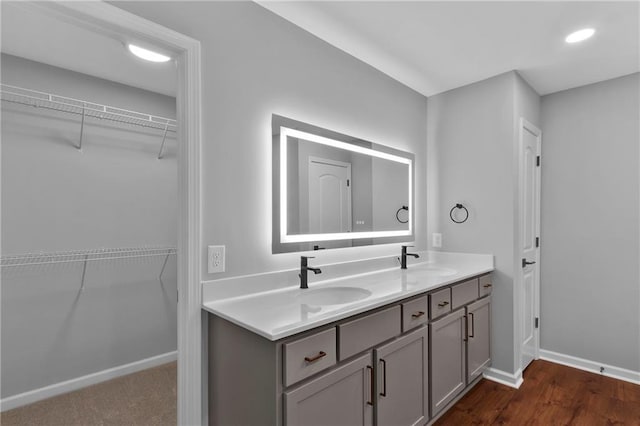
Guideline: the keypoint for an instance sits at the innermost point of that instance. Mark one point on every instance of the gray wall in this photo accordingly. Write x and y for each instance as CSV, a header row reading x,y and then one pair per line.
x,y
114,193
255,63
470,155
590,291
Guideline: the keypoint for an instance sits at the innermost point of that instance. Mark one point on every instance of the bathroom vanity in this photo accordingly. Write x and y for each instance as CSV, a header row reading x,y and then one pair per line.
x,y
403,346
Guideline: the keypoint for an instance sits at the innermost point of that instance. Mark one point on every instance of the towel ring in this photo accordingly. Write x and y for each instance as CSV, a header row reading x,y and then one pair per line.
x,y
459,206
398,212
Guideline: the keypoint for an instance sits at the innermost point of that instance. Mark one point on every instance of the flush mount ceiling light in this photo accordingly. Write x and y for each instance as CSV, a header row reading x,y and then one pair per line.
x,y
147,55
580,35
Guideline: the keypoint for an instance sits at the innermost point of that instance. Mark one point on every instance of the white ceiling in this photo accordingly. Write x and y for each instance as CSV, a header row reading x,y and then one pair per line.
x,y
429,46
32,33
434,46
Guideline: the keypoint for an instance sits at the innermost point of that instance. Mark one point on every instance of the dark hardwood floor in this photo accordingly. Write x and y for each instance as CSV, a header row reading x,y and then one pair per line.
x,y
551,394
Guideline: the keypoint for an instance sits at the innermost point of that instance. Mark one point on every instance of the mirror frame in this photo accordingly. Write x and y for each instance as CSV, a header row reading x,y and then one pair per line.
x,y
291,128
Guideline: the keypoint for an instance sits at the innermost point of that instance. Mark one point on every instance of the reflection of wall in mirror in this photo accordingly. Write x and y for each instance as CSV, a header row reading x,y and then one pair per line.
x,y
390,192
293,187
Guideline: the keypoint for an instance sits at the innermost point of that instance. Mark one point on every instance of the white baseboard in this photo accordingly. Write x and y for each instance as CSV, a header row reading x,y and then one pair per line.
x,y
84,381
591,366
513,380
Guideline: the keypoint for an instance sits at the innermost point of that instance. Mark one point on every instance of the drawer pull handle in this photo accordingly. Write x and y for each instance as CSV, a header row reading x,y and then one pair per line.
x,y
371,379
487,285
442,304
315,358
417,314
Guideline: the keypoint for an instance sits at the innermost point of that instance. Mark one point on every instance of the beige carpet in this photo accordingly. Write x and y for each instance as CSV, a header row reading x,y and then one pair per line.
x,y
144,398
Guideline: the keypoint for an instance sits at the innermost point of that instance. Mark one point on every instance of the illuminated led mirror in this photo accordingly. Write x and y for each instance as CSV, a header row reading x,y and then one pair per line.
x,y
332,190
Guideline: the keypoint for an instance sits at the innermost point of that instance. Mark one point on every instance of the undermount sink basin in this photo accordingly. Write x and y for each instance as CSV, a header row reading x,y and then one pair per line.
x,y
333,295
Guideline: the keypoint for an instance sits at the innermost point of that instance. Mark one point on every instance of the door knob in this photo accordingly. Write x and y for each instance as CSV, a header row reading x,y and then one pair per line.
x,y
525,263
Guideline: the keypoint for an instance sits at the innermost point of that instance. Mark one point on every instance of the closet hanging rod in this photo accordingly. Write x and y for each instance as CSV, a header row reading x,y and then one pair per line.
x,y
84,256
37,99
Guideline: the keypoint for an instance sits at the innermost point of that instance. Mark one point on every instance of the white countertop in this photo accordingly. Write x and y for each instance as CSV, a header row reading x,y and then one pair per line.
x,y
282,312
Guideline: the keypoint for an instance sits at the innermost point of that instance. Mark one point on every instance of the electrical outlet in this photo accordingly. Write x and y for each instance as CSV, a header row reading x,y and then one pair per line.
x,y
436,240
215,259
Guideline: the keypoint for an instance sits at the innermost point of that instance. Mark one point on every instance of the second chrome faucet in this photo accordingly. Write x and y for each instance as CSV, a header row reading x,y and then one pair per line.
x,y
304,267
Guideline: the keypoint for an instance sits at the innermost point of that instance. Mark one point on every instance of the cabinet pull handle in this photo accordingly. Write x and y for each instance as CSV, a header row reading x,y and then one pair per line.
x,y
371,379
473,326
442,304
417,314
465,337
315,358
487,285
384,378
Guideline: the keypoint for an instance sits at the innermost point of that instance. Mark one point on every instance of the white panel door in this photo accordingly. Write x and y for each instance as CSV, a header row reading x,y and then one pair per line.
x,y
329,196
530,225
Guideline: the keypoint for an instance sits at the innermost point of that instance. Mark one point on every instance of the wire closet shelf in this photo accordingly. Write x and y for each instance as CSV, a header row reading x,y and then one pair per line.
x,y
23,96
83,255
86,256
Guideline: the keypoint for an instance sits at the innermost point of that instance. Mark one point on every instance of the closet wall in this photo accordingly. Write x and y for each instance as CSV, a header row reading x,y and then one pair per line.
x,y
114,193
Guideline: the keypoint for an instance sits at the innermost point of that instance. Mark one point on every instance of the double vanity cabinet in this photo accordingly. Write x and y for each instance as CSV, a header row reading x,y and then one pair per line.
x,y
398,364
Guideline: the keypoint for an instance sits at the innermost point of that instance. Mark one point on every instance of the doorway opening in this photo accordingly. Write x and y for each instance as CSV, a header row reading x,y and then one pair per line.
x,y
89,256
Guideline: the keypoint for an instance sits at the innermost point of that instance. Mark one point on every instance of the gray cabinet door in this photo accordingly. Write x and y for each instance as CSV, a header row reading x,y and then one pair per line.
x,y
447,367
342,397
402,392
478,338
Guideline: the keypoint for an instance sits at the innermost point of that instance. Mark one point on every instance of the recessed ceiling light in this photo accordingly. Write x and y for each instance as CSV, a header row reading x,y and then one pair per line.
x,y
580,35
146,54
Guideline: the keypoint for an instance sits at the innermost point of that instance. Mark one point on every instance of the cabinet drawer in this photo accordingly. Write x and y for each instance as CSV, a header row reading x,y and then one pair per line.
x,y
366,332
485,285
464,293
308,356
414,313
439,303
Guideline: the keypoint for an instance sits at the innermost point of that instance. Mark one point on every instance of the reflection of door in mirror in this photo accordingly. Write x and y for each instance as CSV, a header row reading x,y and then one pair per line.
x,y
329,196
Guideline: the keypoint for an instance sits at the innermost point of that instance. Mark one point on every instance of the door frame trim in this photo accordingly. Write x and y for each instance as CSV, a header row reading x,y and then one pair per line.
x,y
523,126
110,20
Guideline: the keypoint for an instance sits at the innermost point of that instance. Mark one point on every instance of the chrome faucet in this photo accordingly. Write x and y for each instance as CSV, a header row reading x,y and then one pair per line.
x,y
403,259
304,267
